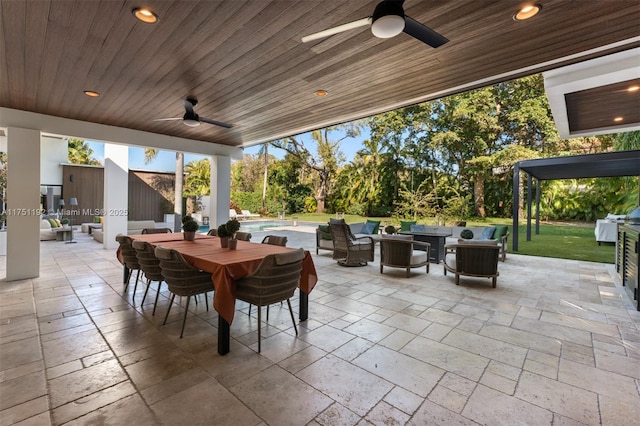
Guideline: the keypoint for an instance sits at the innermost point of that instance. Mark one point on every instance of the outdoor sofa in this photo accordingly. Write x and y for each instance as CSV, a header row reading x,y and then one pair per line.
x,y
134,227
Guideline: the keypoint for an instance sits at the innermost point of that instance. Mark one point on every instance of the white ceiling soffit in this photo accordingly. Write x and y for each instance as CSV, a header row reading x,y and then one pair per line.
x,y
614,68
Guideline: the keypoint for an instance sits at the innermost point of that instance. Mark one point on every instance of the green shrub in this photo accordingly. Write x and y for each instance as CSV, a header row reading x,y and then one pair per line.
x,y
466,234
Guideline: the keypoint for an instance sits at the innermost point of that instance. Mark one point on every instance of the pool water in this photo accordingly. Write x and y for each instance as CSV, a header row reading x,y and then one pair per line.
x,y
254,226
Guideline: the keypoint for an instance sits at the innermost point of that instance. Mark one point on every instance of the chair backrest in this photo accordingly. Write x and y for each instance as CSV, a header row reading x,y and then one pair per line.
x,y
276,279
477,259
127,252
213,232
396,250
147,260
182,278
243,236
275,240
341,236
157,231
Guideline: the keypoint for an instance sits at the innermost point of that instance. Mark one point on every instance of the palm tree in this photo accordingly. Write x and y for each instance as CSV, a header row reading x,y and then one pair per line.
x,y
198,177
150,154
80,152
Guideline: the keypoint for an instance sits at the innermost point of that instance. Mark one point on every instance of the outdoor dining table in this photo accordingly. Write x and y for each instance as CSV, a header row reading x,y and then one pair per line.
x,y
226,266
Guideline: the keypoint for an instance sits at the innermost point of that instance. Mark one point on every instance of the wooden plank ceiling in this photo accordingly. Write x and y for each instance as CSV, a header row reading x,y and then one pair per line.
x,y
247,66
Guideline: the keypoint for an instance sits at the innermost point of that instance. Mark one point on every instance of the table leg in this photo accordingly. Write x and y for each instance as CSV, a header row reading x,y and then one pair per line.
x,y
224,335
304,306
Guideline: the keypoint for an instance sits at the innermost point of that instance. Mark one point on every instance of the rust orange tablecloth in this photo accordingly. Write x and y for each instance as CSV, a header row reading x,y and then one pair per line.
x,y
226,265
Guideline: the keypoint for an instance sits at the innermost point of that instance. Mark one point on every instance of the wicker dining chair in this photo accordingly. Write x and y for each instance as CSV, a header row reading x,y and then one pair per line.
x,y
128,255
349,250
157,231
275,280
182,279
243,236
400,251
275,240
150,266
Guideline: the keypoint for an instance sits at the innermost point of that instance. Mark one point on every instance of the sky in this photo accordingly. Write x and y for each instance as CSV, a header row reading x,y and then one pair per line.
x,y
166,160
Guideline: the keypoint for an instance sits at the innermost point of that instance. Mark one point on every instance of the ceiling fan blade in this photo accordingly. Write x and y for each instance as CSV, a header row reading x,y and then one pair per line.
x,y
188,106
168,119
423,33
217,123
335,30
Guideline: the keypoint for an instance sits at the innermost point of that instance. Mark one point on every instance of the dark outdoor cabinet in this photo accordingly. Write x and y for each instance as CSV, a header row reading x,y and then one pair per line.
x,y
627,260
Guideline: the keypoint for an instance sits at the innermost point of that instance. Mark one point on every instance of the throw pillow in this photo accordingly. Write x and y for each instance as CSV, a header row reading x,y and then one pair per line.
x,y
58,223
418,228
501,231
368,228
376,225
53,223
405,226
487,233
326,232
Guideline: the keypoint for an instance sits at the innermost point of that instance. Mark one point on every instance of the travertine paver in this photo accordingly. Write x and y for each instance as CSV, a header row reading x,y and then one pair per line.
x,y
557,342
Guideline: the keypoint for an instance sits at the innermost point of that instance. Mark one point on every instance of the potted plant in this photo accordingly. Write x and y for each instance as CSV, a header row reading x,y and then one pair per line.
x,y
232,226
390,229
224,235
65,222
190,228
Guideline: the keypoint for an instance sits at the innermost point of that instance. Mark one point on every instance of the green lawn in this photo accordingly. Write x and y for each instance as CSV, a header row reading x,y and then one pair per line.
x,y
564,241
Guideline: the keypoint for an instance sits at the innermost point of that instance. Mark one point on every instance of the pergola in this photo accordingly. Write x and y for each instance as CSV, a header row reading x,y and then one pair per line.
x,y
607,164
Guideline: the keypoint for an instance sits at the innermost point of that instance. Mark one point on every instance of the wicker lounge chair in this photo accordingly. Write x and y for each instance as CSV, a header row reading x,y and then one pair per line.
x,y
397,251
474,260
349,250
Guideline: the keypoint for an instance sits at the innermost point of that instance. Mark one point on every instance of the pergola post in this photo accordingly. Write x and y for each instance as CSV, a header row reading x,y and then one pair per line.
x,y
529,197
537,206
515,208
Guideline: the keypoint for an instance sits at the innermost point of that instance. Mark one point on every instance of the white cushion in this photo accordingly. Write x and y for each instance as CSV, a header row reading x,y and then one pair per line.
x,y
418,256
45,224
477,242
450,260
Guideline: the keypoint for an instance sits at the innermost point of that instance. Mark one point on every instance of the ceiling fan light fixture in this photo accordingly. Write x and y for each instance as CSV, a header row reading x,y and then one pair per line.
x,y
191,122
145,15
527,12
191,119
388,19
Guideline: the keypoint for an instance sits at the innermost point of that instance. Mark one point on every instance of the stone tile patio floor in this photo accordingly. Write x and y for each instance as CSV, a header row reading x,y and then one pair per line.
x,y
557,342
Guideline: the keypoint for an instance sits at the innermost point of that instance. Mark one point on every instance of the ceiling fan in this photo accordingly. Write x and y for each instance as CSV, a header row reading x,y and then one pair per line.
x,y
388,20
192,119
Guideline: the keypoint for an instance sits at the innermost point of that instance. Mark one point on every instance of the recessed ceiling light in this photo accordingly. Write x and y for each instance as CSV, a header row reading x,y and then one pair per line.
x,y
634,88
618,119
528,11
145,15
91,93
321,93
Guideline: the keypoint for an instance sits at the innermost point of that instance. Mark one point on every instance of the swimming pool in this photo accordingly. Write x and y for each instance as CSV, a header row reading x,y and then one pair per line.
x,y
254,226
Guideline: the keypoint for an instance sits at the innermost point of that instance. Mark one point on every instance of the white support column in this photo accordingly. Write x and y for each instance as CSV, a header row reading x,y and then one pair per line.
x,y
23,203
220,190
116,193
